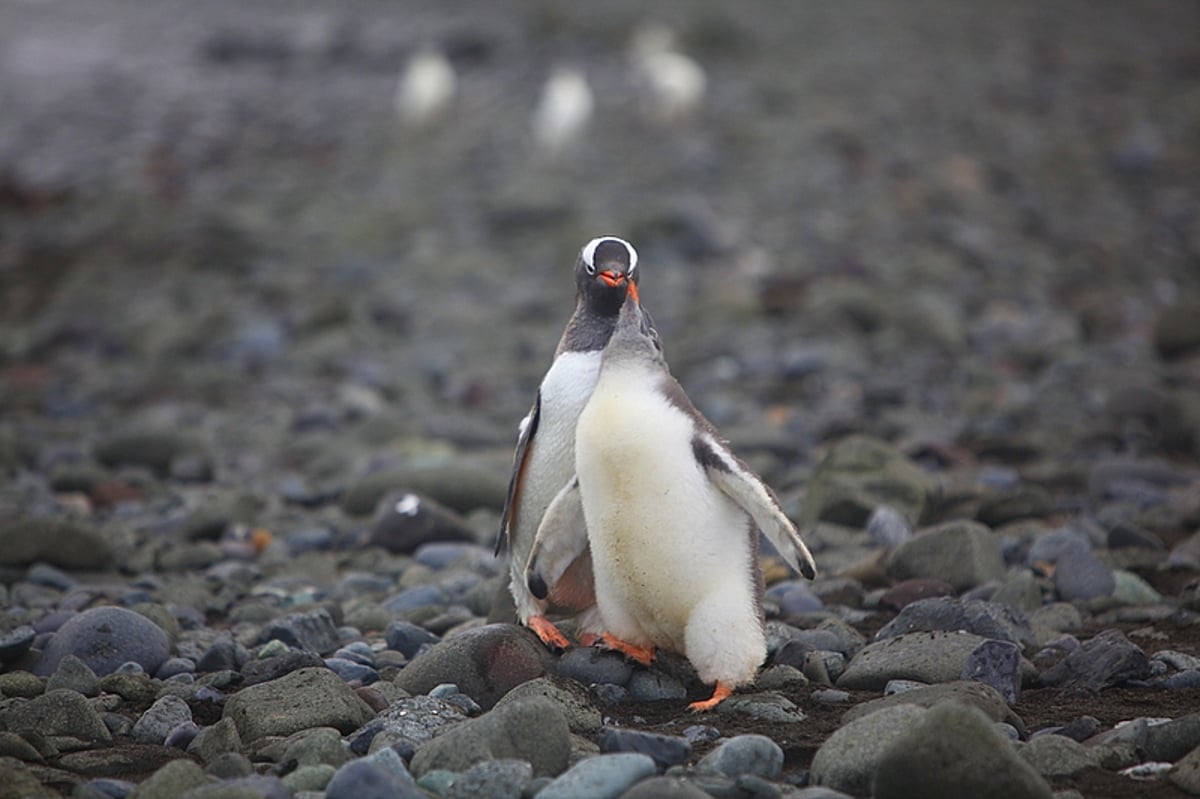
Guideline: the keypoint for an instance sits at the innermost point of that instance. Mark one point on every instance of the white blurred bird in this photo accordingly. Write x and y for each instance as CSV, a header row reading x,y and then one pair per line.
x,y
563,111
671,84
426,88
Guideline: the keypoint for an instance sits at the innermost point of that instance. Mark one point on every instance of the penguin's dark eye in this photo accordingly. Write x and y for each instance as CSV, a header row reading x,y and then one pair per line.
x,y
591,269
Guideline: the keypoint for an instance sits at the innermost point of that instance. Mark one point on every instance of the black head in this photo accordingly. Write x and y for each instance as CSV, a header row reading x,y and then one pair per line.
x,y
605,272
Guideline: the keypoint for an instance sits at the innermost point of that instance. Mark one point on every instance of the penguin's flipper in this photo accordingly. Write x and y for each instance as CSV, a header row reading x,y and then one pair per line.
x,y
525,433
560,561
744,487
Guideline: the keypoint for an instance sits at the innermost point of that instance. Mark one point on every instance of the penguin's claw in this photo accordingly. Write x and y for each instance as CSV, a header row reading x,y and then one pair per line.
x,y
720,693
551,636
640,654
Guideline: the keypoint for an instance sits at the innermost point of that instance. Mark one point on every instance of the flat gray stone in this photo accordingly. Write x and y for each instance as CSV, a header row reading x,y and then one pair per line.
x,y
1058,756
986,619
962,553
171,781
485,663
59,713
849,758
215,740
572,698
929,657
491,779
600,777
954,750
535,730
745,754
167,713
965,692
312,697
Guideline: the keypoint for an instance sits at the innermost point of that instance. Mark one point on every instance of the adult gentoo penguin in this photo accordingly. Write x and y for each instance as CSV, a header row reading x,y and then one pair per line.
x,y
672,519
606,271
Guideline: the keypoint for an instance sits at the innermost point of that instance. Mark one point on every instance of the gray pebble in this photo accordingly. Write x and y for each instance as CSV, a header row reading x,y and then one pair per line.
x,y
485,663
888,528
406,521
408,638
534,730
16,642
962,553
665,788
59,713
1106,659
171,781
1059,756
998,664
153,726
594,666
313,631
665,750
492,779
296,701
74,675
379,776
953,750
926,657
1079,574
652,686
986,619
745,754
105,638
847,760
601,777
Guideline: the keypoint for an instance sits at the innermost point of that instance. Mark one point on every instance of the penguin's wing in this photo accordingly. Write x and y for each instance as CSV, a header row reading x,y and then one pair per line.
x,y
561,540
730,474
525,433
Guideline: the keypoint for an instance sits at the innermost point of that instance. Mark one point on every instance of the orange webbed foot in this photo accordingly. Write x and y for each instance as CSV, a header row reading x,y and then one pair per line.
x,y
720,693
640,654
551,636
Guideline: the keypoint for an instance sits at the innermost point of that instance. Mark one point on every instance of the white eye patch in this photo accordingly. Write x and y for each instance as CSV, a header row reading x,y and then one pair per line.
x,y
589,252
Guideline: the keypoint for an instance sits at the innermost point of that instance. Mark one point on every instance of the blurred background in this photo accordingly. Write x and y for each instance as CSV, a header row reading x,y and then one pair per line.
x,y
330,237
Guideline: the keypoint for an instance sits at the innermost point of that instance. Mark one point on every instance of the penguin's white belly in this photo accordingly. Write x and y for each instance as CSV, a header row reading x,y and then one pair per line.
x,y
565,391
671,552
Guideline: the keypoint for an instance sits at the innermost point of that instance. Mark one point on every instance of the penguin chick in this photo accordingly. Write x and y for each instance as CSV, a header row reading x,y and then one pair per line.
x,y
671,517
606,271
671,84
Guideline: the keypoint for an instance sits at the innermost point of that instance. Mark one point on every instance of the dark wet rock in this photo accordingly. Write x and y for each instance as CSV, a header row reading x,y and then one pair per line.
x,y
408,638
592,665
312,630
985,619
978,695
225,654
73,674
13,745
313,697
352,671
21,684
848,758
1079,574
16,642
954,750
157,450
604,776
857,476
491,779
572,698
485,663
167,713
654,686
535,731
406,522
62,542
745,754
1023,502
59,713
930,657
272,668
1176,331
1126,535
998,664
1106,659
665,750
964,554
459,488
906,592
106,637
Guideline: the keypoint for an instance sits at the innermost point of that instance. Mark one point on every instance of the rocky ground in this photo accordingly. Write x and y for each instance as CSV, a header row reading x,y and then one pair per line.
x,y
933,268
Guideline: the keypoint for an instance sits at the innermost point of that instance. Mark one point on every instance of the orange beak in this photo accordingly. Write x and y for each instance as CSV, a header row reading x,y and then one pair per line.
x,y
612,278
